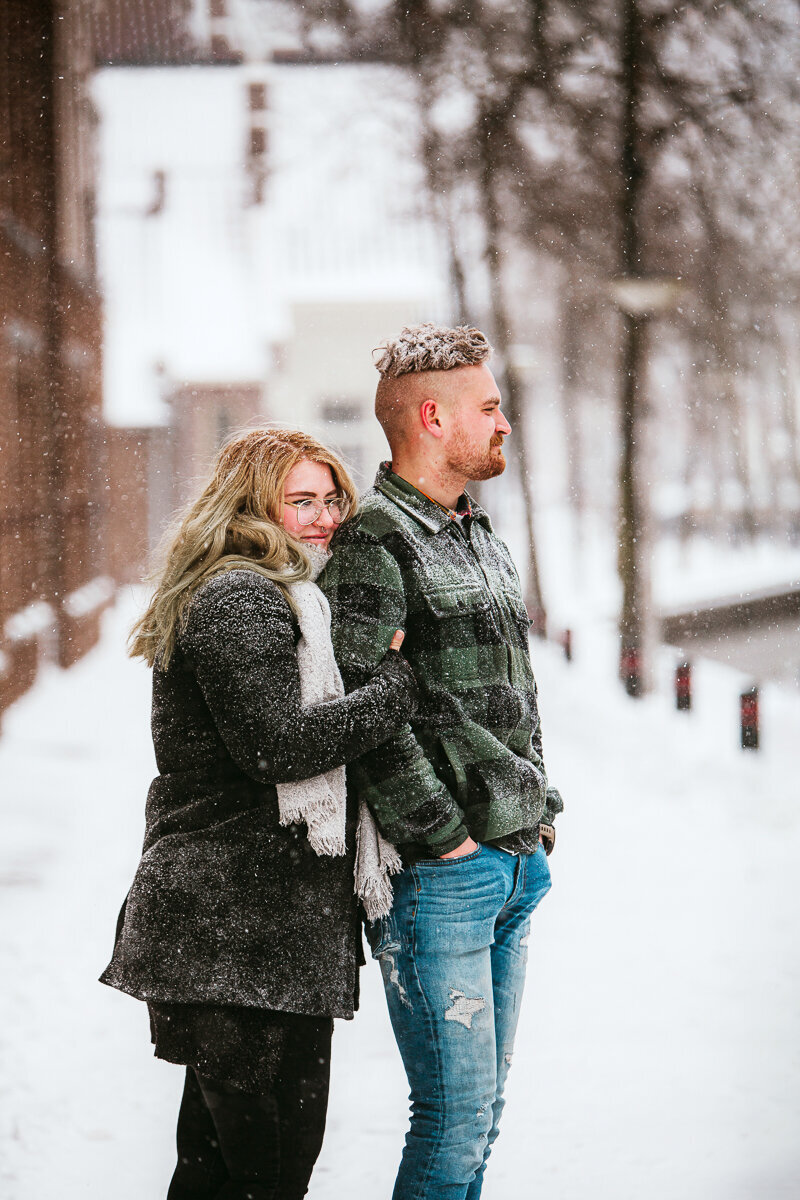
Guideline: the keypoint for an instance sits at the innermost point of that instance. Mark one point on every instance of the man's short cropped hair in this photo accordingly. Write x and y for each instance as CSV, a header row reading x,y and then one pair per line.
x,y
430,347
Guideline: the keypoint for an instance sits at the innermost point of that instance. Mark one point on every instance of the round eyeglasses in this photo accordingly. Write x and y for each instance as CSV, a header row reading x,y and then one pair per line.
x,y
309,511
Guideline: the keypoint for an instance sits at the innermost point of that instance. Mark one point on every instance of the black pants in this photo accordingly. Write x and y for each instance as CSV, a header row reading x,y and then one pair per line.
x,y
238,1145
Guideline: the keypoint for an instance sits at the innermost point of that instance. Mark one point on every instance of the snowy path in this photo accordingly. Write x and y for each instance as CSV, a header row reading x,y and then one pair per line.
x,y
658,1054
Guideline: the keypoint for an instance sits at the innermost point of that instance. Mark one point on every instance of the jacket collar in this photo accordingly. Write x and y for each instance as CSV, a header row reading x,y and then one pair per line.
x,y
426,512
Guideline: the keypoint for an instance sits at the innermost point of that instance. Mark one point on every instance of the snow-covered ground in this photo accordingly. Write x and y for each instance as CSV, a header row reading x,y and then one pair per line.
x,y
659,1045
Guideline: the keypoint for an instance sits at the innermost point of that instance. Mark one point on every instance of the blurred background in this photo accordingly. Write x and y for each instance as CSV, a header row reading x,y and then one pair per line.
x,y
211,213
213,210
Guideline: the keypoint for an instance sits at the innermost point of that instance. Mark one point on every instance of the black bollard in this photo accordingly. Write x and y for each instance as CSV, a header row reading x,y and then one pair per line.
x,y
630,668
683,686
748,708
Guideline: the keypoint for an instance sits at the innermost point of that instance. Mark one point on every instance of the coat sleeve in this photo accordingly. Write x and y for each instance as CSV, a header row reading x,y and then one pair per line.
x,y
364,586
240,642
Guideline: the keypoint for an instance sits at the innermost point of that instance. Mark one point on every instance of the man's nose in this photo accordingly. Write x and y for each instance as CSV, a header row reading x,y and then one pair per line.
x,y
501,424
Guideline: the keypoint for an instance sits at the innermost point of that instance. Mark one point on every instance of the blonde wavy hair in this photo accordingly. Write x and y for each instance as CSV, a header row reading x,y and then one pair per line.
x,y
234,523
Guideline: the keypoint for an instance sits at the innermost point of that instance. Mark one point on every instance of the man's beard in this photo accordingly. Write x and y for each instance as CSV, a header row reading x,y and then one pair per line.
x,y
477,463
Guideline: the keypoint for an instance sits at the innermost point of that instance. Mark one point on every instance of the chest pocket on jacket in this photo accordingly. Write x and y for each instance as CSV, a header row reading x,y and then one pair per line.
x,y
458,631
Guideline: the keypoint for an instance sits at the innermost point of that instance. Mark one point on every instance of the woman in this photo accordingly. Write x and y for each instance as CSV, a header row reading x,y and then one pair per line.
x,y
241,928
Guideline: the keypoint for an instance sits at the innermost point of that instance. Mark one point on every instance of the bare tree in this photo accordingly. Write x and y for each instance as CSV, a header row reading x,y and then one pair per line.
x,y
638,141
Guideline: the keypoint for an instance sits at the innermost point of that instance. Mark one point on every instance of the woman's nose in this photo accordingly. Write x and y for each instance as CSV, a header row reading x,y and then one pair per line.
x,y
325,517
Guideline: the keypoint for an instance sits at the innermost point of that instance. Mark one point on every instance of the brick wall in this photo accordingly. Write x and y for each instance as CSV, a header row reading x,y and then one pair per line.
x,y
52,563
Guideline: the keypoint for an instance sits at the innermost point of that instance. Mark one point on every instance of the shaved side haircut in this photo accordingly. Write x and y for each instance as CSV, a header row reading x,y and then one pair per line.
x,y
405,364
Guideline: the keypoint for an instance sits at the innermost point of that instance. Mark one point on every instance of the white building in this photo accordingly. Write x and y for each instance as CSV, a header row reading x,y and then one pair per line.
x,y
259,224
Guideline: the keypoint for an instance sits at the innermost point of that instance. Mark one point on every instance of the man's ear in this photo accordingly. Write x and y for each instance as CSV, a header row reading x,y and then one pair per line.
x,y
429,415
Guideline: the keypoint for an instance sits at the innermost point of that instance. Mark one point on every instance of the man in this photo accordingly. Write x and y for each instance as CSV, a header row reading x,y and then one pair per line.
x,y
462,792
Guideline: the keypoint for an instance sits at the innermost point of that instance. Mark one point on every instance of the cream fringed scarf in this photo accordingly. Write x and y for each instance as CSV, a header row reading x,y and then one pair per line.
x,y
320,802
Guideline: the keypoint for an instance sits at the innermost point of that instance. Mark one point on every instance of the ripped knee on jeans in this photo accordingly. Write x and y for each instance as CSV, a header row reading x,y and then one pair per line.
x,y
462,1008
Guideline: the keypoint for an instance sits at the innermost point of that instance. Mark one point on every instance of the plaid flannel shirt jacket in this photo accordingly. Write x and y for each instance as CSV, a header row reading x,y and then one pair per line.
x,y
471,760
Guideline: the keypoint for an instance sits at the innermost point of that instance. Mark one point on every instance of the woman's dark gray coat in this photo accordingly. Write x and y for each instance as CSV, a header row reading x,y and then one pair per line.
x,y
228,906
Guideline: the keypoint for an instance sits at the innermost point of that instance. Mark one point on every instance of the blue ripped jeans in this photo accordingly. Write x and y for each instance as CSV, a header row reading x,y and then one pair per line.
x,y
453,954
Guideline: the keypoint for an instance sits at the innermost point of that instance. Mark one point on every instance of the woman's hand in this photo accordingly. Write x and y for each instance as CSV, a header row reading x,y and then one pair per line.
x,y
398,671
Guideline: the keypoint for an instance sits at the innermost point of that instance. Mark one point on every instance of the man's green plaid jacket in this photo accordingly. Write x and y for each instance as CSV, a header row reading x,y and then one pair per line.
x,y
471,761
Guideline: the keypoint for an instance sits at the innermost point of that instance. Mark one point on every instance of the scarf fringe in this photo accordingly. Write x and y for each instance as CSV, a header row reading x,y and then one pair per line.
x,y
299,802
378,899
376,860
326,843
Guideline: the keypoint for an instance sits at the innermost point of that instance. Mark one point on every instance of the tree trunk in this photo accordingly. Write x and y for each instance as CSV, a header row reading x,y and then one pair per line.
x,y
632,544
511,383
573,330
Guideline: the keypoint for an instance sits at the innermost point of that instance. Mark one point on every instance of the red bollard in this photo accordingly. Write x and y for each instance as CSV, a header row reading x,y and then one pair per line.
x,y
683,686
566,642
748,708
630,670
